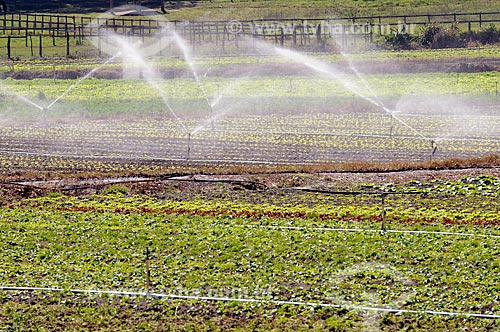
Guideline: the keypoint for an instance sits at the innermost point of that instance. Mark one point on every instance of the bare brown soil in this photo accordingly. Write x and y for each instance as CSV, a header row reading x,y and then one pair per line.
x,y
196,177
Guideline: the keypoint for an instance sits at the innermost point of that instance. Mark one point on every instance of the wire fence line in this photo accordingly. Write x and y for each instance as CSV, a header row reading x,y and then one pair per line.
x,y
250,300
21,23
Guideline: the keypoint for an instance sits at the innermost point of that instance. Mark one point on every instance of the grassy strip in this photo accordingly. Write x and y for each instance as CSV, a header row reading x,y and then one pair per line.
x,y
35,64
224,9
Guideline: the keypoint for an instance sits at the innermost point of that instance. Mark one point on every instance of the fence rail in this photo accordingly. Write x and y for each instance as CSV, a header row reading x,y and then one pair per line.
x,y
345,32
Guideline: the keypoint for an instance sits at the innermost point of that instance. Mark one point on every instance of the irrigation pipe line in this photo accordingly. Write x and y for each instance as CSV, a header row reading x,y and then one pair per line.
x,y
361,230
251,300
382,194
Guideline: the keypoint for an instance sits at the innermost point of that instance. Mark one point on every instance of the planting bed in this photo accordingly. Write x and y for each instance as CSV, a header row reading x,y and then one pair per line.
x,y
252,237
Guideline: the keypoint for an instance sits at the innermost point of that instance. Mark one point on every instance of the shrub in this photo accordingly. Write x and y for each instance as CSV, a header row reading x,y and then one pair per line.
x,y
489,35
437,36
400,40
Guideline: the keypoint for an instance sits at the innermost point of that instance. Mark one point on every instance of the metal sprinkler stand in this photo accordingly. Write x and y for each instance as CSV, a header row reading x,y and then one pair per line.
x,y
45,111
212,119
434,148
188,146
392,126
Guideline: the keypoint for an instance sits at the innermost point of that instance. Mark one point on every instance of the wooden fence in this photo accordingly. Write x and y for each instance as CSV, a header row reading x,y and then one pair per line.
x,y
70,31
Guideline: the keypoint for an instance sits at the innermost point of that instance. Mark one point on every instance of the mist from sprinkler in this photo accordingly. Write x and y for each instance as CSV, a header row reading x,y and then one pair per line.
x,y
82,79
189,59
348,83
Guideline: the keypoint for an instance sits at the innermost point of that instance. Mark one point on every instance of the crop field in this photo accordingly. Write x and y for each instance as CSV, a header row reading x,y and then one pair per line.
x,y
251,192
270,244
273,119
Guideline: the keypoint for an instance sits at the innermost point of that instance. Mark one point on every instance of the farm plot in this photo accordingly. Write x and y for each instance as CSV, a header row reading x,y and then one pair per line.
x,y
273,245
264,120
265,139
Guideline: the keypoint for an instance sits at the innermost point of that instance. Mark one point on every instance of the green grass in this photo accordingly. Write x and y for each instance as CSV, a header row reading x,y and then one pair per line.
x,y
226,10
28,63
255,9
280,86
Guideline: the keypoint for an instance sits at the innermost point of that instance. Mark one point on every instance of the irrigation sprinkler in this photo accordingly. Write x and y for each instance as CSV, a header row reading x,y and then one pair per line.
x,y
434,147
212,117
44,116
392,126
188,146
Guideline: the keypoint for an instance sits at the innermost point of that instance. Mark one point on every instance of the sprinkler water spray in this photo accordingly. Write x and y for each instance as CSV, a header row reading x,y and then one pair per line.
x,y
212,117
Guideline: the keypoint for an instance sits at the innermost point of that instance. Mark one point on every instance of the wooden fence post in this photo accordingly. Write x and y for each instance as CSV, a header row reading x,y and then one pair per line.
x,y
67,44
40,47
8,47
224,38
318,34
99,40
31,45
